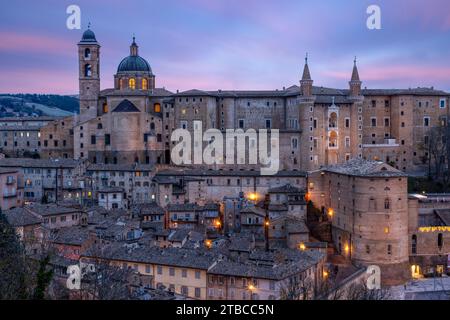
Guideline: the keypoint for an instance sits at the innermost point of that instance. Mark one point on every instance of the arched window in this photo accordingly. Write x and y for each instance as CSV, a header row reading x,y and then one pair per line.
x,y
157,107
333,143
152,126
115,160
123,83
87,70
333,120
99,126
105,108
144,84
414,244
132,84
87,53
440,241
387,203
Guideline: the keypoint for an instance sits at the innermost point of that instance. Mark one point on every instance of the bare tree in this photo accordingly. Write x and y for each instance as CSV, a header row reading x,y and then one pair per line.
x,y
360,291
297,288
102,280
438,149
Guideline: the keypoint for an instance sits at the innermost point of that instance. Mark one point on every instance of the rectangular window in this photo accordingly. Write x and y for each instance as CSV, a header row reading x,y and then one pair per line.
x,y
386,122
107,139
241,123
183,124
347,142
442,103
426,121
268,123
93,139
172,272
347,122
293,123
373,122
272,285
159,270
197,292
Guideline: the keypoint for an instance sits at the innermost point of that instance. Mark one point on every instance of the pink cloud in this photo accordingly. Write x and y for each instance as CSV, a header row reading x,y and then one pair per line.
x,y
395,72
39,81
21,42
434,14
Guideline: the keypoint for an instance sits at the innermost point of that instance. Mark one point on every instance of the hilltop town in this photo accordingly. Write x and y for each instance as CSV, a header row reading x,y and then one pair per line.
x,y
96,199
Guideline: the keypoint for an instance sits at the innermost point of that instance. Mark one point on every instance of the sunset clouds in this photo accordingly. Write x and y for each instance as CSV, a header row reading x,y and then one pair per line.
x,y
218,44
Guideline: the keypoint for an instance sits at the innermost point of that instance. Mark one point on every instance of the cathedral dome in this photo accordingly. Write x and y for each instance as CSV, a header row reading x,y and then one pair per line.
x,y
134,63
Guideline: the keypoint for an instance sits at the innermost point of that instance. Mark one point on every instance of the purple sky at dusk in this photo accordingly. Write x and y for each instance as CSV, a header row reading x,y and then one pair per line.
x,y
229,44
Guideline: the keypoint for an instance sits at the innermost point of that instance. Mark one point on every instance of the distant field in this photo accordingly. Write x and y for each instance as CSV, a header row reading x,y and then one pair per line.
x,y
49,111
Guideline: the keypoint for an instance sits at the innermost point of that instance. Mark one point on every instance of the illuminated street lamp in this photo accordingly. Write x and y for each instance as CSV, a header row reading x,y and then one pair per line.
x,y
330,212
307,196
347,249
208,243
302,246
253,196
251,288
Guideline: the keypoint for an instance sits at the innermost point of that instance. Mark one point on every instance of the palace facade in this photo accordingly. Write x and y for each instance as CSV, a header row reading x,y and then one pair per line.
x,y
133,122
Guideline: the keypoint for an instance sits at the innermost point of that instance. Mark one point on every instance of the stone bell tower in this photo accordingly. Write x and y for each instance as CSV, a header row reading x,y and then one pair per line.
x,y
89,75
